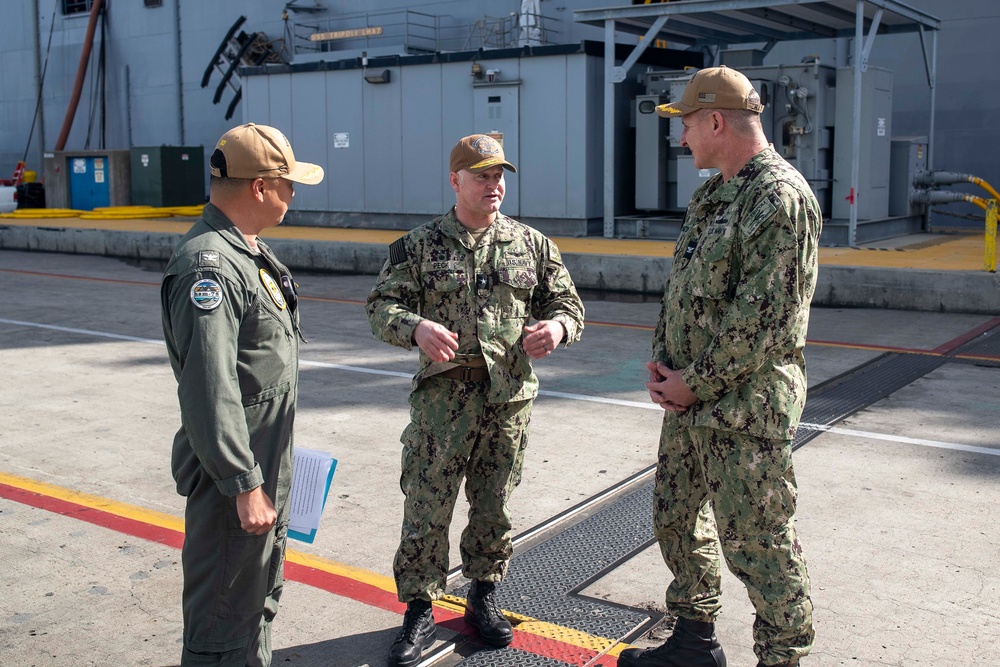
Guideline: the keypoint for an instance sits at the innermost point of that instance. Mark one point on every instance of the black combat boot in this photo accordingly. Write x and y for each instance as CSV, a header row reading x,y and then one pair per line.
x,y
418,630
692,644
483,613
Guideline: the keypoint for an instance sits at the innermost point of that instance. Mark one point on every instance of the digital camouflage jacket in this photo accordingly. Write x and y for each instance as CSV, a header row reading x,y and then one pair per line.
x,y
736,305
485,292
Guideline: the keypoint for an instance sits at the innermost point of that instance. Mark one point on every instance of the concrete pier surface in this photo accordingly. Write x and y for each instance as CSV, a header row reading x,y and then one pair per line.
x,y
941,271
898,463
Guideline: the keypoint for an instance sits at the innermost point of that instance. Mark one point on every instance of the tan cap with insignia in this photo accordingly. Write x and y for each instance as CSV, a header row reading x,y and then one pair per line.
x,y
259,151
478,152
714,88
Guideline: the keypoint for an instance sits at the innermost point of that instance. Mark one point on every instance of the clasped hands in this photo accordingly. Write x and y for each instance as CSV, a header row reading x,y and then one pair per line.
x,y
440,344
667,389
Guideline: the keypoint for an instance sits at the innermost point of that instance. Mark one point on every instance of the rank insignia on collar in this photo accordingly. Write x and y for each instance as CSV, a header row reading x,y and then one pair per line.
x,y
272,288
206,294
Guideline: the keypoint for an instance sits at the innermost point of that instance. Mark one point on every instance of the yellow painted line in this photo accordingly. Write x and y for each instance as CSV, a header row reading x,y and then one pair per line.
x,y
533,626
342,569
175,523
95,502
450,602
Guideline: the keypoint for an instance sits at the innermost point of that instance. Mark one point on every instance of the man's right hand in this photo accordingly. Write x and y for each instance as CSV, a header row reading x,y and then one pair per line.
x,y
256,511
436,341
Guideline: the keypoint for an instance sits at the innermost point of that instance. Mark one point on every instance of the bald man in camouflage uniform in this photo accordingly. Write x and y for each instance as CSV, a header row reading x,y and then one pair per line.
x,y
728,369
463,288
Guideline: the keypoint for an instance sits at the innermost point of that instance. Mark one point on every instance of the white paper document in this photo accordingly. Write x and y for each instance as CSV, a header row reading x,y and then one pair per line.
x,y
312,474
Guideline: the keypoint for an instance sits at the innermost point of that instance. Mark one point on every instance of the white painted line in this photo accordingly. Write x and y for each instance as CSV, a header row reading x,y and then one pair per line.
x,y
599,399
555,394
88,332
903,439
355,369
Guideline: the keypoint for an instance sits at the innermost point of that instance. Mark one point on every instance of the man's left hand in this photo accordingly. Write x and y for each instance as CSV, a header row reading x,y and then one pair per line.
x,y
667,389
541,338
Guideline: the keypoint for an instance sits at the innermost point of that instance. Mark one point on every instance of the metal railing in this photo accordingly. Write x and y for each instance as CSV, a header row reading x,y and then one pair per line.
x,y
417,32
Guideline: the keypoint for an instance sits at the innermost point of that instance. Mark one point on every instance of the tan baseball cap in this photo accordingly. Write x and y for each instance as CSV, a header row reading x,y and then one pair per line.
x,y
714,88
478,152
259,151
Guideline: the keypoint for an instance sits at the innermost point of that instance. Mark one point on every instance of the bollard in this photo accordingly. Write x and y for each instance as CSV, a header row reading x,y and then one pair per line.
x,y
990,251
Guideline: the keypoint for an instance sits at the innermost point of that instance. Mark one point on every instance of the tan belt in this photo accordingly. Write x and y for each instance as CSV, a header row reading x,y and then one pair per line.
x,y
466,374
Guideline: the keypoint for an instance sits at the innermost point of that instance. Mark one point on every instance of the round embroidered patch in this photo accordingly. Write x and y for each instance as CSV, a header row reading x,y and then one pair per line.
x,y
206,294
272,288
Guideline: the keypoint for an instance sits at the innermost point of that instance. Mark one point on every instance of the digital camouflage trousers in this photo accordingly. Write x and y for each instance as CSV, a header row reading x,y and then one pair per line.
x,y
716,487
454,434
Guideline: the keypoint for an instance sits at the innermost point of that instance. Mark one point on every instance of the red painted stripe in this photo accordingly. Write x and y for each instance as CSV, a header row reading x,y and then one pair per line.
x,y
867,346
146,531
345,587
967,336
327,581
63,275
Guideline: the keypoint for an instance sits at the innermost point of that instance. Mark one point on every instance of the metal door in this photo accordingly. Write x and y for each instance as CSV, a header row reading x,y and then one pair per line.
x,y
496,111
88,182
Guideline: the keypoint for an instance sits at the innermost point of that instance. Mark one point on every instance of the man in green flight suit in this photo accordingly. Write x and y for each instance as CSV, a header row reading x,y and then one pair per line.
x,y
231,323
463,288
727,368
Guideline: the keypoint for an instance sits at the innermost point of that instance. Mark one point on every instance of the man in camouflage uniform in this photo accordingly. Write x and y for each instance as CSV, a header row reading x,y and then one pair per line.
x,y
728,370
463,288
231,323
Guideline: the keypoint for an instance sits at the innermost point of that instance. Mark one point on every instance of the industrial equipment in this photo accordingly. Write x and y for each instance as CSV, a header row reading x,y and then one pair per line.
x,y
808,117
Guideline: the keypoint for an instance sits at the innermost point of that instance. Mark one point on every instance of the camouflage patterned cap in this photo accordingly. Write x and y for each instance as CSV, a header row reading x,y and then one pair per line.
x,y
714,88
478,152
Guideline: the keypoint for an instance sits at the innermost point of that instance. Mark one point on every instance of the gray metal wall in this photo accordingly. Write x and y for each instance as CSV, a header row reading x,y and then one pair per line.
x,y
967,136
399,135
154,69
154,96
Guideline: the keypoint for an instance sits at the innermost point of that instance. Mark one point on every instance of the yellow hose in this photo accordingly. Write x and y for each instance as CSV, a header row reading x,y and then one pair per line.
x,y
32,213
978,201
984,185
109,212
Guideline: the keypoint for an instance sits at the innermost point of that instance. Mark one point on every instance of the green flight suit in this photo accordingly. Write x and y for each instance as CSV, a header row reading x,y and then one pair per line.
x,y
486,292
734,317
230,321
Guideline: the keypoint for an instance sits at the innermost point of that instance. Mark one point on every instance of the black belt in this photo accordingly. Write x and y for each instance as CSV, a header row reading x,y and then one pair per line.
x,y
466,374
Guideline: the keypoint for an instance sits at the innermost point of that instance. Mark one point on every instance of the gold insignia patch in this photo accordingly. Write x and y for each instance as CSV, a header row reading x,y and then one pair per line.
x,y
272,288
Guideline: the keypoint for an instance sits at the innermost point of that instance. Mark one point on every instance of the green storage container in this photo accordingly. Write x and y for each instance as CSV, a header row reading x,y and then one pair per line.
x,y
168,175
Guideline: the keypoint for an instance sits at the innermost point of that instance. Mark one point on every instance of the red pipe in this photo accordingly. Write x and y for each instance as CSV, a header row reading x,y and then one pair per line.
x,y
81,74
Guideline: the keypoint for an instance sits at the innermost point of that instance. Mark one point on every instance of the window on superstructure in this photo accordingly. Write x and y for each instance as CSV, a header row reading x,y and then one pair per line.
x,y
76,6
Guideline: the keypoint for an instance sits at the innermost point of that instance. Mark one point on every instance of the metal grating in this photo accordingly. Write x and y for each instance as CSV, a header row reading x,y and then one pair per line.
x,y
509,657
987,345
842,396
541,580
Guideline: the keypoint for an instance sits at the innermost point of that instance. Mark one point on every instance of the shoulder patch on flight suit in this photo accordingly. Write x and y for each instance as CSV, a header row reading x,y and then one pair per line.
x,y
208,258
760,214
272,288
397,252
206,294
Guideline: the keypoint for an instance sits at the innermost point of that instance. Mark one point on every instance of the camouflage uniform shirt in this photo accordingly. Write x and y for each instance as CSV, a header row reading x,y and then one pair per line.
x,y
485,292
736,305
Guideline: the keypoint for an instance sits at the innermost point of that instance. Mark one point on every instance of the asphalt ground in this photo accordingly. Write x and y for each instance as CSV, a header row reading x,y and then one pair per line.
x,y
897,502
